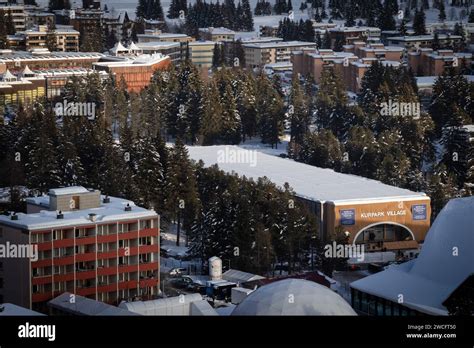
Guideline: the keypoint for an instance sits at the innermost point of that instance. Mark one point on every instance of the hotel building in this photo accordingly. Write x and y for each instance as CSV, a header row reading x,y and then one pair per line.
x,y
100,247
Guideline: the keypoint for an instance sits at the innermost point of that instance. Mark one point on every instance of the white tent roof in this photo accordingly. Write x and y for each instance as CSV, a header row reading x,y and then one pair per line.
x,y
118,48
444,263
293,297
134,47
8,76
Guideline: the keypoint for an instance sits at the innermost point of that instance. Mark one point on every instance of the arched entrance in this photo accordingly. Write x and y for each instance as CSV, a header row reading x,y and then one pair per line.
x,y
381,232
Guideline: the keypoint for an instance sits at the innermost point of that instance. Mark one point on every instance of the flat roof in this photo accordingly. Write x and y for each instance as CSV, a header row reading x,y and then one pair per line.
x,y
309,182
279,44
10,309
105,213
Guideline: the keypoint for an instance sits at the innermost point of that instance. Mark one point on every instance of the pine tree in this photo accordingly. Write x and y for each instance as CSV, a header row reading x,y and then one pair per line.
x,y
231,122
471,17
298,115
270,114
141,11
247,18
321,149
182,201
419,22
51,41
326,41
3,31
211,124
442,13
10,25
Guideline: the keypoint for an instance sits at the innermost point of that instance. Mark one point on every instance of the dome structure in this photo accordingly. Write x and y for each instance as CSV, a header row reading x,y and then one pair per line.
x,y
293,297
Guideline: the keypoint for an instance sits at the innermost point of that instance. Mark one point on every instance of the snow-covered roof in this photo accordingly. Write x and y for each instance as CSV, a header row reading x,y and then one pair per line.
x,y
85,306
444,263
10,309
217,31
106,212
179,305
308,298
233,275
68,190
134,47
310,182
280,44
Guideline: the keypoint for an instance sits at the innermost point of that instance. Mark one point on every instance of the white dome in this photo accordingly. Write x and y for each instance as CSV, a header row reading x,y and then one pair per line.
x,y
293,297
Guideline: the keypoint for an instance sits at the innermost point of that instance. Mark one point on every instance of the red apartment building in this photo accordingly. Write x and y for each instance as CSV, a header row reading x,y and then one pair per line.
x,y
426,62
104,248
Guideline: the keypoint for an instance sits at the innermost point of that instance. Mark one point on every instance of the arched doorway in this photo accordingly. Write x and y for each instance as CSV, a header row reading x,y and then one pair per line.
x,y
381,232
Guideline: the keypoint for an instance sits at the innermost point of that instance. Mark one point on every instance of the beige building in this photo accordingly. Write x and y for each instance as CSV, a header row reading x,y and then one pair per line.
x,y
157,35
67,39
259,54
201,53
421,41
216,34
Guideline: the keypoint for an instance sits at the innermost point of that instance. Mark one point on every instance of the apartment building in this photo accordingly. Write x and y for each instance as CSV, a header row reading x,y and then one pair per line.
x,y
34,19
258,55
422,41
82,242
426,62
216,34
157,35
351,65
348,35
201,53
18,15
66,38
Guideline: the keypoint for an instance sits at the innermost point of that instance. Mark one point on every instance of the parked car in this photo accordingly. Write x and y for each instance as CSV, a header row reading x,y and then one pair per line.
x,y
175,272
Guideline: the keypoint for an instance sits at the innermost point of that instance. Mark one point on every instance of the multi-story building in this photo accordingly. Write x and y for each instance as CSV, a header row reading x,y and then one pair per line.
x,y
348,35
136,71
34,19
23,89
79,241
258,55
351,65
426,62
66,38
18,15
201,53
157,35
422,41
172,49
216,34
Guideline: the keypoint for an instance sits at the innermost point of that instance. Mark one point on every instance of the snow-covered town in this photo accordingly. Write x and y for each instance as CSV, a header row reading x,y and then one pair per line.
x,y
236,158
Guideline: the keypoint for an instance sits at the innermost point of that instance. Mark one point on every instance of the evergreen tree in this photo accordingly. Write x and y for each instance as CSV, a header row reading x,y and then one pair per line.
x,y
182,201
247,18
3,31
299,117
442,13
419,22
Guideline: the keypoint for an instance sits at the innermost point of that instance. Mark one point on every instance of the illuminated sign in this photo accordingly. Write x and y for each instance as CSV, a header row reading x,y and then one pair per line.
x,y
347,217
418,211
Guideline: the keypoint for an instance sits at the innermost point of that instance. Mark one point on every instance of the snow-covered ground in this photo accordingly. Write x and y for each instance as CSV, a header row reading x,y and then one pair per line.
x,y
452,14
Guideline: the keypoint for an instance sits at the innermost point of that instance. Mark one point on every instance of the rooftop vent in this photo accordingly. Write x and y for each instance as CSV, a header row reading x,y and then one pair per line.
x,y
14,216
128,207
106,199
92,217
60,215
